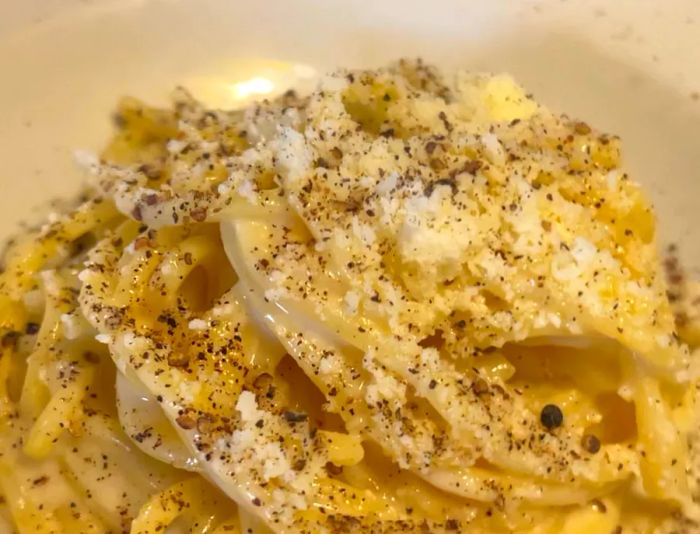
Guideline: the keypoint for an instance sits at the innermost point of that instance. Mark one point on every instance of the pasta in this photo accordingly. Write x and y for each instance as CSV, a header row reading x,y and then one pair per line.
x,y
404,303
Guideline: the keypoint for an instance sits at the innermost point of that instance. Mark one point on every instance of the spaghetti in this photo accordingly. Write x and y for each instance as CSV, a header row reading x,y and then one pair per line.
x,y
403,303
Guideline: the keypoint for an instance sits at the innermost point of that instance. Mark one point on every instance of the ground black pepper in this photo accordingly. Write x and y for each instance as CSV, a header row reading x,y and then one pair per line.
x,y
31,328
295,417
590,443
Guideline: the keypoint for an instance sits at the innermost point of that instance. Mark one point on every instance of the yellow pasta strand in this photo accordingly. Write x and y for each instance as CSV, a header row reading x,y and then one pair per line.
x,y
28,257
343,449
163,508
6,354
665,452
35,395
193,500
62,409
230,526
29,517
79,519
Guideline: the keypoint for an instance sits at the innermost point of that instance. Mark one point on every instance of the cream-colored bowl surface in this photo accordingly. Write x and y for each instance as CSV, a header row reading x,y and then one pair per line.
x,y
629,67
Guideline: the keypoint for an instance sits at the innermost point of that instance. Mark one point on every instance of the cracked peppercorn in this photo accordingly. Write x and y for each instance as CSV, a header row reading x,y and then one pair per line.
x,y
590,443
31,328
551,416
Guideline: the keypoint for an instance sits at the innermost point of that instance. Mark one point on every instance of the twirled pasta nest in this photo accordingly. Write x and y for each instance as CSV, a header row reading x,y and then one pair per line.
x,y
404,302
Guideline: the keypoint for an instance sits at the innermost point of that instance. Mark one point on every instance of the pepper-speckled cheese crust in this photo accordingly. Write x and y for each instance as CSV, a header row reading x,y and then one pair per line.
x,y
407,302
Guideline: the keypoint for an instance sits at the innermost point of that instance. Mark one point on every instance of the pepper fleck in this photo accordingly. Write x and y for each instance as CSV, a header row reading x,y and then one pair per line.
x,y
199,214
590,443
186,422
333,469
178,359
599,506
31,328
451,524
480,386
299,464
295,417
136,213
582,128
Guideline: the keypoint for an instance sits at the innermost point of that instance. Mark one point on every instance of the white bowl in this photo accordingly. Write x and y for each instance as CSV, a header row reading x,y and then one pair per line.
x,y
629,67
